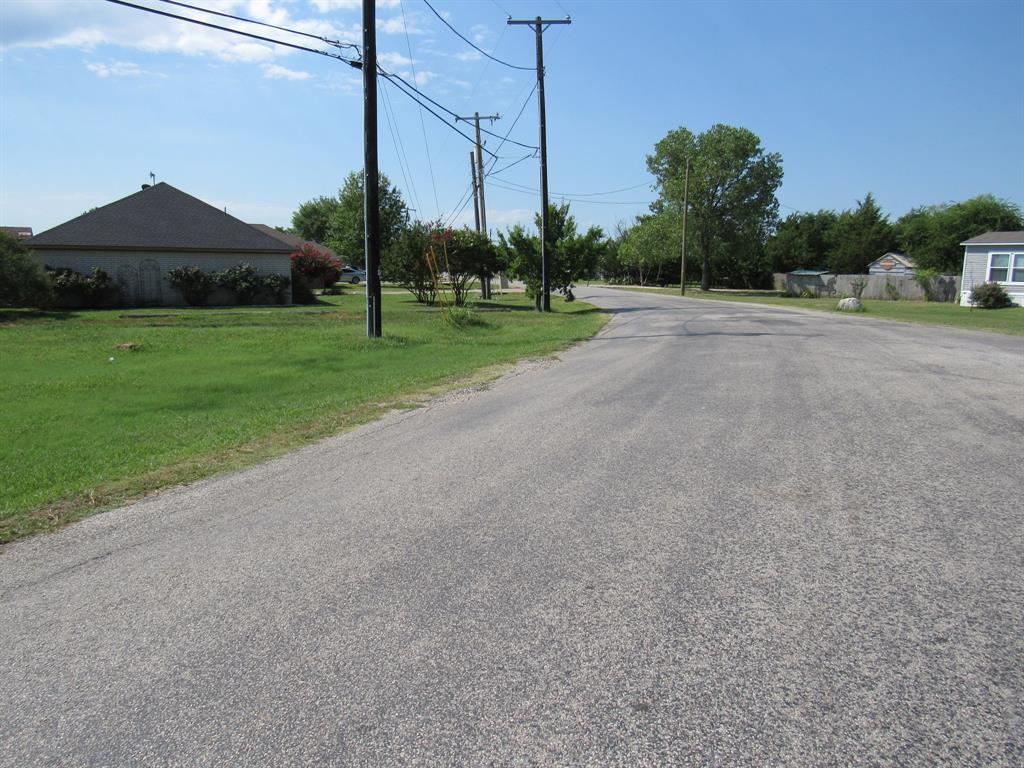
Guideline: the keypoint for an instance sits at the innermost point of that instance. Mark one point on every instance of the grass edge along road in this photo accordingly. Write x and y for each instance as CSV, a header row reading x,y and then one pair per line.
x,y
89,426
1007,321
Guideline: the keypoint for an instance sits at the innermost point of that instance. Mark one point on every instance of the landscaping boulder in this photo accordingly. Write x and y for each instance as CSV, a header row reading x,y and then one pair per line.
x,y
849,305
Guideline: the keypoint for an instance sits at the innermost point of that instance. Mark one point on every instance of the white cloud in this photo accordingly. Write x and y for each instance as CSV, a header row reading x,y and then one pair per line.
x,y
469,55
423,76
120,69
394,60
410,22
277,72
88,25
349,5
480,33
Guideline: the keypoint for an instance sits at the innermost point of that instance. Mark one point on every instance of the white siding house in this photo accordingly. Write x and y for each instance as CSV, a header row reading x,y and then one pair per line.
x,y
995,257
140,238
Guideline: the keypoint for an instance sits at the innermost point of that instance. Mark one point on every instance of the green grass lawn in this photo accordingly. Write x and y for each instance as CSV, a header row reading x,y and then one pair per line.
x,y
933,313
216,389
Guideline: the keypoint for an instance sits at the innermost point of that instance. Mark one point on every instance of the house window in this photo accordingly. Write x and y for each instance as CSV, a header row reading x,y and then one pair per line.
x,y
1006,268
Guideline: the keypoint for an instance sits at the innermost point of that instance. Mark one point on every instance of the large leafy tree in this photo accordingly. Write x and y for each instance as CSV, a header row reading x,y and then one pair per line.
x,y
338,222
571,255
312,220
932,234
731,197
801,241
859,237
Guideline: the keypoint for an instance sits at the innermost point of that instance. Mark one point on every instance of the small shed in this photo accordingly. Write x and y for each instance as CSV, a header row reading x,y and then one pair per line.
x,y
820,282
140,238
994,257
893,264
18,233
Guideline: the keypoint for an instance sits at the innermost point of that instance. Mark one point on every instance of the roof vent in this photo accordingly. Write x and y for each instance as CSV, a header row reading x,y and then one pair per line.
x,y
145,186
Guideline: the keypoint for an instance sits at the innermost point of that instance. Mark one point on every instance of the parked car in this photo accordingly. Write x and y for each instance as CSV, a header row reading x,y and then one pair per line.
x,y
352,275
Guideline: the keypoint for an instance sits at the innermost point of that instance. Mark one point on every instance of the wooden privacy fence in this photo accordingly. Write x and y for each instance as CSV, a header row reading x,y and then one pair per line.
x,y
892,287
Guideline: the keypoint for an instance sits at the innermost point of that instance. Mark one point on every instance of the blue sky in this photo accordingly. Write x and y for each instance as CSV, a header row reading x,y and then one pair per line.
x,y
917,102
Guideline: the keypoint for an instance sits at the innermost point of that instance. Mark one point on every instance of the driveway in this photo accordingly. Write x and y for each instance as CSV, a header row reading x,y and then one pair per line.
x,y
715,534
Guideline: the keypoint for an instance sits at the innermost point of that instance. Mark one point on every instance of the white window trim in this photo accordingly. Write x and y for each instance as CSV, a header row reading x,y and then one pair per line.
x,y
1009,269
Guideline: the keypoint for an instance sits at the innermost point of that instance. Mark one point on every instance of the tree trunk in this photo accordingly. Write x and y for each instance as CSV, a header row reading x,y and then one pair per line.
x,y
705,273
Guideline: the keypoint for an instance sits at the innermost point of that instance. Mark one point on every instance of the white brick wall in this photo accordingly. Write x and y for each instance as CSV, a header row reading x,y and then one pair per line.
x,y
137,271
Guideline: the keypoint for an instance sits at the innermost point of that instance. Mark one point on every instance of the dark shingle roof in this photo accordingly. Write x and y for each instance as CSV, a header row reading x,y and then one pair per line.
x,y
158,217
294,241
997,238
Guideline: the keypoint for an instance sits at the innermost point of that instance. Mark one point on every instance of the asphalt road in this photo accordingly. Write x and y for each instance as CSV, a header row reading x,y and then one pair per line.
x,y
717,534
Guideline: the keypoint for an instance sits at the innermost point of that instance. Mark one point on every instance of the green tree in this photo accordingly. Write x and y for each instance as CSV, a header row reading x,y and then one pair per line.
x,y
22,281
338,222
468,254
313,218
571,255
859,237
405,262
931,235
801,241
651,249
732,196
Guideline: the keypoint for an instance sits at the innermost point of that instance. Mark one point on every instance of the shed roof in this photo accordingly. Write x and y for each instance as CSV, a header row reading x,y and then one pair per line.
x,y
294,241
19,233
902,258
160,217
997,238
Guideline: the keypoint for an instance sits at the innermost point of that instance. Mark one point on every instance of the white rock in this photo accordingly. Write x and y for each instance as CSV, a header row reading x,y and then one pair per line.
x,y
849,305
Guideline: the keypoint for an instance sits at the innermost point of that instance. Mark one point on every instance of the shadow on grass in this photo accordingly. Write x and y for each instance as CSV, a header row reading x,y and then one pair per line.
x,y
15,316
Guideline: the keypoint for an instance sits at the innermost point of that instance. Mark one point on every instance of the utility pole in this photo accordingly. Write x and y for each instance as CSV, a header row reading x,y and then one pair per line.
x,y
686,208
476,199
481,224
371,192
539,25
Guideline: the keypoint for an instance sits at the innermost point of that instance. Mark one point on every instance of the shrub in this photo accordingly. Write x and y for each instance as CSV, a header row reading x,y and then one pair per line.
x,y
301,293
194,284
72,289
462,317
23,282
315,265
892,291
243,279
857,285
990,296
275,285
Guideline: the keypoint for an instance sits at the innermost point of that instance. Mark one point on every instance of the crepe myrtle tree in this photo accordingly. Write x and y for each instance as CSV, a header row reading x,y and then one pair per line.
x,y
571,256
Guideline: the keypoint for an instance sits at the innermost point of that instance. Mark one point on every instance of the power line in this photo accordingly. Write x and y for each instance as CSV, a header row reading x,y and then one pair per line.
x,y
443,108
350,62
472,44
574,195
517,162
398,153
526,191
401,89
212,12
423,127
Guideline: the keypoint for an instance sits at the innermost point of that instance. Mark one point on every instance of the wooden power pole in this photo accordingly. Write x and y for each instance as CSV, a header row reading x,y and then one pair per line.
x,y
539,25
481,223
476,199
686,195
371,191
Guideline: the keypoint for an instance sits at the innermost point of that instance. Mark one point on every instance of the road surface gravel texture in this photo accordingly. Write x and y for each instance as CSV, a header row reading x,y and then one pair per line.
x,y
715,534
